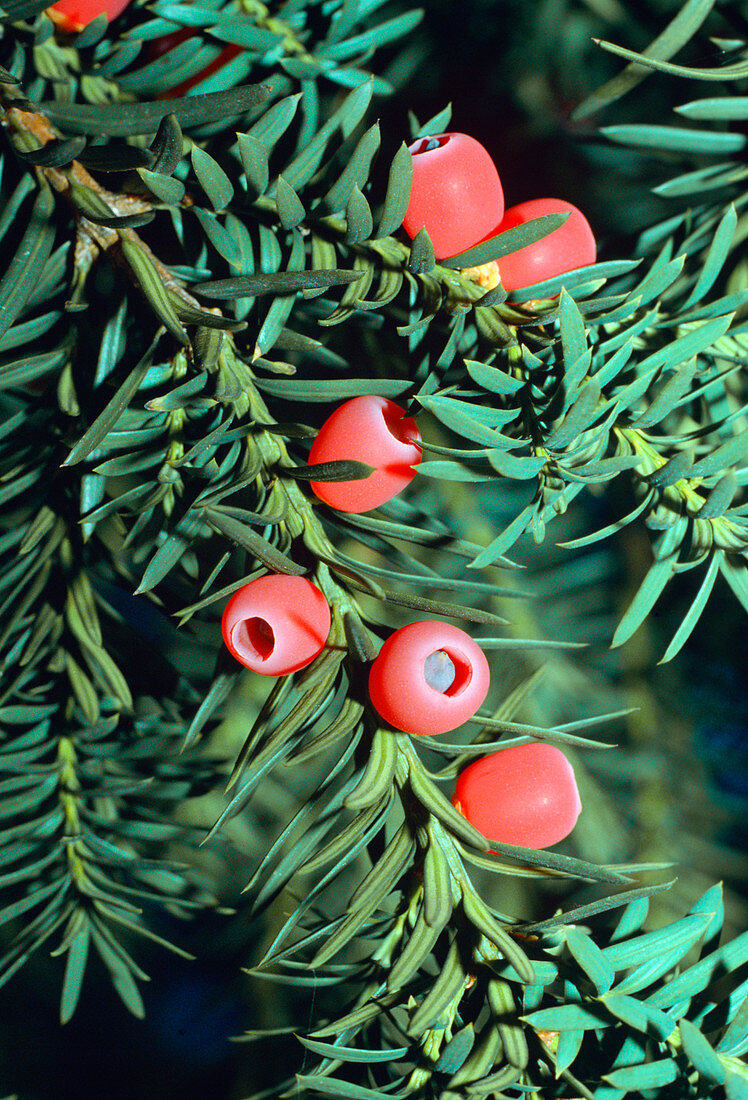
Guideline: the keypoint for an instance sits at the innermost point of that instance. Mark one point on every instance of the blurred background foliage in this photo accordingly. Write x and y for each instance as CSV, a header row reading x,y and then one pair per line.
x,y
678,789
525,68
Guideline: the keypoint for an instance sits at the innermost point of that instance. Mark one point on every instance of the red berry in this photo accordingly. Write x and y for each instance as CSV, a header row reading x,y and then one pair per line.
x,y
525,795
375,431
276,624
456,193
569,247
73,15
428,678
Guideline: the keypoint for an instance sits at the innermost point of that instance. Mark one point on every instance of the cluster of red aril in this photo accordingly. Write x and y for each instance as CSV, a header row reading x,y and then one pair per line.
x,y
457,197
456,194
429,677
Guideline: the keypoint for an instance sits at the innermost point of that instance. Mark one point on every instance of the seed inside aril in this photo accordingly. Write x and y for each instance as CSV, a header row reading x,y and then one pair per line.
x,y
402,428
255,634
439,670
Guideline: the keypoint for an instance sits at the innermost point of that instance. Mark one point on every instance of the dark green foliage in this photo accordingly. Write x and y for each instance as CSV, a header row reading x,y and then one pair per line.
x,y
154,458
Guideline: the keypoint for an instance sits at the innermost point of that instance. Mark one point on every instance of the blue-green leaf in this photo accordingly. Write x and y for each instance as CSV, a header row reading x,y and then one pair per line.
x,y
281,307
567,1017
471,421
75,969
216,233
290,207
272,125
736,1088
510,240
437,124
516,467
331,1086
719,73
373,38
572,328
666,400
646,597
456,1050
505,540
451,471
21,273
397,195
693,614
639,1015
704,1060
593,962
212,178
254,160
650,971
729,108
356,172
678,32
680,935
654,284
734,1042
676,139
692,343
109,416
492,379
153,287
723,457
578,276
126,119
715,257
697,978
353,1054
346,119
649,1075
569,1043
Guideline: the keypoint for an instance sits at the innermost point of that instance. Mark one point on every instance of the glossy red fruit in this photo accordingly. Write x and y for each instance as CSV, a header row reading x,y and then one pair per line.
x,y
456,193
569,247
276,624
428,678
73,15
375,431
525,795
